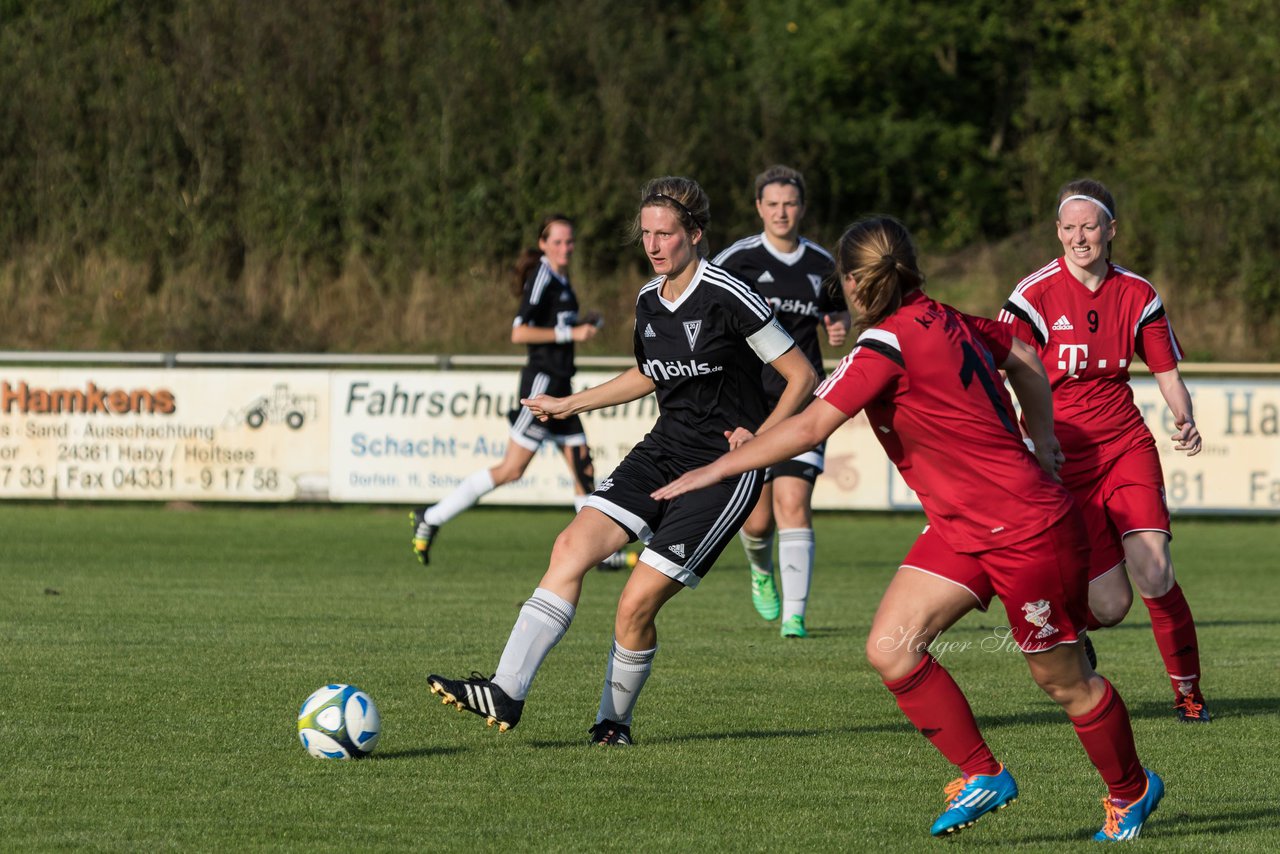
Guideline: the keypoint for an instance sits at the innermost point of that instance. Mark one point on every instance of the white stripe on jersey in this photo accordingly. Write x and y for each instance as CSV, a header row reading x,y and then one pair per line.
x,y
1173,342
1043,273
741,246
525,418
1034,316
726,520
816,248
651,285
883,336
1145,317
834,376
540,283
747,295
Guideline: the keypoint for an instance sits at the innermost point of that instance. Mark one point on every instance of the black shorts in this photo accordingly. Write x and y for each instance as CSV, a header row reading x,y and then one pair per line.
x,y
806,466
684,536
528,432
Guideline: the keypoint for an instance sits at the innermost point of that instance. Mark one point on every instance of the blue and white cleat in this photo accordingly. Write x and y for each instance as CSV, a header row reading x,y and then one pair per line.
x,y
1125,822
970,798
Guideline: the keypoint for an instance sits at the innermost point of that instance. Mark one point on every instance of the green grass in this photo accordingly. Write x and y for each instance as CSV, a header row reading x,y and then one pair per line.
x,y
155,659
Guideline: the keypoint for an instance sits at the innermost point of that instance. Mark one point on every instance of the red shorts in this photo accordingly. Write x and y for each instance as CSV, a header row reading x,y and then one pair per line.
x,y
1040,580
1118,498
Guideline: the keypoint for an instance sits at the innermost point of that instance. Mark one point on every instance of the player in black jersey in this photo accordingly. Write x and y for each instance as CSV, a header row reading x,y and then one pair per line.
x,y
793,274
548,323
701,336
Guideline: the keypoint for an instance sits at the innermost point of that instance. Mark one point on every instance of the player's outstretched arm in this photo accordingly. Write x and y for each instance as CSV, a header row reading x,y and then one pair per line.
x,y
625,387
1175,394
792,436
1030,383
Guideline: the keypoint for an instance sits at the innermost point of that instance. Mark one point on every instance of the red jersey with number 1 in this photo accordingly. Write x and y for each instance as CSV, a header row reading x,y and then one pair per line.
x,y
1087,341
928,379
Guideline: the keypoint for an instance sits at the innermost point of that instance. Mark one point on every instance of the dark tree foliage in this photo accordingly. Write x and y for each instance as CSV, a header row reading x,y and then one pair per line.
x,y
429,137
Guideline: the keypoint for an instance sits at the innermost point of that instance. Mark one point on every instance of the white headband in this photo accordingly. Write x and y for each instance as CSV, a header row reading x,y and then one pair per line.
x,y
1106,210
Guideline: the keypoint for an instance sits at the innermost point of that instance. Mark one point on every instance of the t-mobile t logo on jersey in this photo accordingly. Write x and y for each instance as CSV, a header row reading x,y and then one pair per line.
x,y
1073,358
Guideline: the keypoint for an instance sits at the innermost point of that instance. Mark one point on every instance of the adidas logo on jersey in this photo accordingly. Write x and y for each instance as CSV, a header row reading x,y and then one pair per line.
x,y
765,278
677,550
1062,324
648,331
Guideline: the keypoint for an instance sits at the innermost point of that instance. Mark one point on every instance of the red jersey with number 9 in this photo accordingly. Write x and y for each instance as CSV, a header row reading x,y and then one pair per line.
x,y
1087,341
929,381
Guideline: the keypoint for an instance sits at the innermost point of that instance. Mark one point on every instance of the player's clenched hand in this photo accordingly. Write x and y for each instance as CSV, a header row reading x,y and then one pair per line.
x,y
738,436
545,407
1049,455
1187,438
699,478
836,330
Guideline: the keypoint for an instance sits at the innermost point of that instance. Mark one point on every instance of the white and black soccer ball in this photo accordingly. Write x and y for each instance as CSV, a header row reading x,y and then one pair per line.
x,y
339,722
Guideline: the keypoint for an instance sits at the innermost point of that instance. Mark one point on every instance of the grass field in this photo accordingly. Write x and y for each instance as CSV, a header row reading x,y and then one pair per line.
x,y
154,661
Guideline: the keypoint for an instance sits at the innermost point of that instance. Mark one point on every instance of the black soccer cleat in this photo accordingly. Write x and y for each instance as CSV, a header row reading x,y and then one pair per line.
x,y
423,534
1191,708
480,696
610,734
1090,653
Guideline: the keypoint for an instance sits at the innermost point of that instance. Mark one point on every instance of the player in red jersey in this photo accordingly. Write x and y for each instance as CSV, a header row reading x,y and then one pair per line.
x,y
1087,317
928,378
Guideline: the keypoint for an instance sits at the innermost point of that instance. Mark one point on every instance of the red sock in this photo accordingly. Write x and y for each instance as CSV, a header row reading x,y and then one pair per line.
x,y
1175,631
934,703
1107,737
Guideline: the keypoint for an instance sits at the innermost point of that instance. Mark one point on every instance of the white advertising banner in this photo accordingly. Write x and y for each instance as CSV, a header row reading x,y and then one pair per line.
x,y
200,435
411,436
1239,468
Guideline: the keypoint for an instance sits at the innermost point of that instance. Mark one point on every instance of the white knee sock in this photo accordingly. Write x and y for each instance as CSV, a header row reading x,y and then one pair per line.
x,y
472,489
759,551
795,554
543,620
624,676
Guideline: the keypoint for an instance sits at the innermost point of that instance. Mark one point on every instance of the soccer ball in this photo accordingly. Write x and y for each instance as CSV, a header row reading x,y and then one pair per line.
x,y
339,722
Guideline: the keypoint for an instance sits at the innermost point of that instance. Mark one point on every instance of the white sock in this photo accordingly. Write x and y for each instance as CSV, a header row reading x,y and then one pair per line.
x,y
759,551
466,494
579,501
795,555
624,676
543,620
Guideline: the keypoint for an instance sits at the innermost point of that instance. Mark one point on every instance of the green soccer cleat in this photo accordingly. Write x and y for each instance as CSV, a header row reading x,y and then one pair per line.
x,y
793,627
423,534
764,595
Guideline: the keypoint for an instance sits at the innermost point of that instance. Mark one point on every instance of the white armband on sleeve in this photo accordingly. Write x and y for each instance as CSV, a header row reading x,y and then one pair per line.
x,y
771,341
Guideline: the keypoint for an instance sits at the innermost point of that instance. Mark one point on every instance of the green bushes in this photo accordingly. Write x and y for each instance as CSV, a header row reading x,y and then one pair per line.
x,y
264,175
